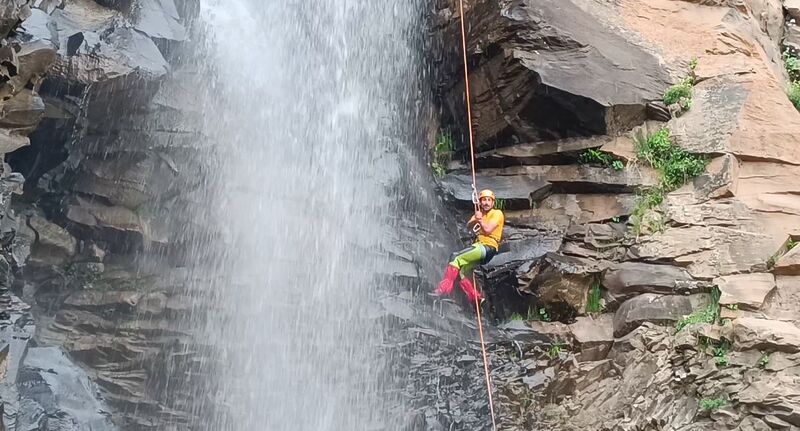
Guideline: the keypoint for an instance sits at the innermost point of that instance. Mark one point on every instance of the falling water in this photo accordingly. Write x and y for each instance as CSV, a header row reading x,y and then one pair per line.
x,y
309,104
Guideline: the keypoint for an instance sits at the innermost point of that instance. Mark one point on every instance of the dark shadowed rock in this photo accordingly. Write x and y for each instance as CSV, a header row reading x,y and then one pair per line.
x,y
561,283
527,89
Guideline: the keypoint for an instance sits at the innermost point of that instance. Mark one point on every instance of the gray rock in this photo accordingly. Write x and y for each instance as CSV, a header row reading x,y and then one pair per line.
x,y
58,395
11,11
747,291
792,8
628,279
763,334
54,245
654,308
160,19
524,67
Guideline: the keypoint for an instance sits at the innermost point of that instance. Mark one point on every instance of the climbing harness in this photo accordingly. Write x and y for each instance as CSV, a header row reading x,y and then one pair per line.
x,y
476,203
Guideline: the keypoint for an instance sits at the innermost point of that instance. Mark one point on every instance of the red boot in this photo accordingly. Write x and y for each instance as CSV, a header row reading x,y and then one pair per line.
x,y
446,285
469,289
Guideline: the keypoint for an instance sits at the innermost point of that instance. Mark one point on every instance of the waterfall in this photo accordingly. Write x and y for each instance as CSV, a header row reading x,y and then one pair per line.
x,y
310,105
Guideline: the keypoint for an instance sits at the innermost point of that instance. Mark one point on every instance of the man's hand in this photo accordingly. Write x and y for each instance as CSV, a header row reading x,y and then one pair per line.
x,y
478,215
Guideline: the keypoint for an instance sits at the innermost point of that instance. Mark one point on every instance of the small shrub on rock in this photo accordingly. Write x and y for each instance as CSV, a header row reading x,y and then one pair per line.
x,y
794,94
676,167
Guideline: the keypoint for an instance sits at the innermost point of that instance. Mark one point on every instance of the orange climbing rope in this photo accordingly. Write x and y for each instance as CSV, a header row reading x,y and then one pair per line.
x,y
477,207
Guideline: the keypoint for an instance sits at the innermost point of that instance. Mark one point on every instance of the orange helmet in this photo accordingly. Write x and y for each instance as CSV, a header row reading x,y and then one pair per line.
x,y
487,194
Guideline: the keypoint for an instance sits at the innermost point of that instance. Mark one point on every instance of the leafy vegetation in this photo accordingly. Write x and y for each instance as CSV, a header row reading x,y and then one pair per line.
x,y
794,94
597,157
707,314
681,93
721,354
554,350
593,304
711,404
792,64
500,204
675,166
543,316
442,154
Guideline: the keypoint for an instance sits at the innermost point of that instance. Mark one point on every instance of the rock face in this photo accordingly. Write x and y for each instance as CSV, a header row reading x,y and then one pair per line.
x,y
550,91
96,120
526,89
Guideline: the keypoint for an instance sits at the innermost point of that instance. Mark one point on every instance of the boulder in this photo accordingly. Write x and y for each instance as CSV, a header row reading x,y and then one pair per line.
x,y
659,309
783,305
534,152
561,283
160,19
746,291
789,263
527,88
707,251
54,245
21,113
519,185
768,335
515,190
627,279
593,336
11,12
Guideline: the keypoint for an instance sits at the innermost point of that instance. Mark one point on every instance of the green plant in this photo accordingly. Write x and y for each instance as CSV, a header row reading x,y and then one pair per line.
x,y
693,65
676,167
442,154
707,314
554,350
721,355
543,316
732,307
794,94
792,65
681,90
617,165
615,219
763,361
515,316
791,244
592,156
593,304
711,404
500,204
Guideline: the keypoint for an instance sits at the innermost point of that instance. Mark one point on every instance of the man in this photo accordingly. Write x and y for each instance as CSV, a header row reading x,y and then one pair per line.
x,y
487,223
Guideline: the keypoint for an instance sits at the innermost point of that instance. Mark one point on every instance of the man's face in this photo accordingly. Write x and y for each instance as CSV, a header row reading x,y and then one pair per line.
x,y
486,203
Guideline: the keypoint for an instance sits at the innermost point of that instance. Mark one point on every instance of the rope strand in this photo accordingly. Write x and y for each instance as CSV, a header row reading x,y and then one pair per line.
x,y
477,208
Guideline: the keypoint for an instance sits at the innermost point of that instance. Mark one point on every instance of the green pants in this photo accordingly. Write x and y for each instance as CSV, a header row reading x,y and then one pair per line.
x,y
465,260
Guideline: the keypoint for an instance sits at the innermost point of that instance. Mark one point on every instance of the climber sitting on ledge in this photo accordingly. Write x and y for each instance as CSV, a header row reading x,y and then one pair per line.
x,y
487,223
